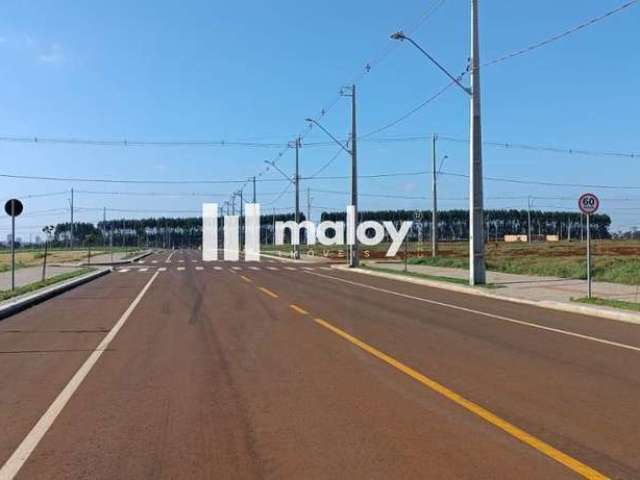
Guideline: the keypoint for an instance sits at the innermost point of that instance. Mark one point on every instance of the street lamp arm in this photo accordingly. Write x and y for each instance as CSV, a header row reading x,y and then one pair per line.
x,y
311,120
273,164
401,36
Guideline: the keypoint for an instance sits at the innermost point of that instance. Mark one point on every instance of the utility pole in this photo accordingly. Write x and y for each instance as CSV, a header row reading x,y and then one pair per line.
x,y
529,219
296,248
104,226
71,227
477,273
308,204
254,189
434,192
355,260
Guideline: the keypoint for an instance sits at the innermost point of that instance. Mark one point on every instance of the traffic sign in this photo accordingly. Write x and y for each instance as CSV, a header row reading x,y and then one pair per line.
x,y
13,207
588,203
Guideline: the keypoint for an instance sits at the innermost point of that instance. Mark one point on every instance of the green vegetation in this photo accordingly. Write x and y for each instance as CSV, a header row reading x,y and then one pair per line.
x,y
635,307
32,287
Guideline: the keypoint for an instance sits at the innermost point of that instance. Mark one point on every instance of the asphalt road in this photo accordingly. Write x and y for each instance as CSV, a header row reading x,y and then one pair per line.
x,y
179,369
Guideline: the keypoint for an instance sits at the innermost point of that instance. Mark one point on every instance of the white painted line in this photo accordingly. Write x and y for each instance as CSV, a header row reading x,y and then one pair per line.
x,y
141,261
162,269
236,268
217,268
272,268
181,269
308,269
18,458
143,270
291,268
254,268
181,261
123,270
484,314
169,257
199,268
154,261
194,261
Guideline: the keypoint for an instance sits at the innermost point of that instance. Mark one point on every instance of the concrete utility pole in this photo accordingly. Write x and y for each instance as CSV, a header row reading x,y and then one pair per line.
x,y
529,219
296,248
254,189
71,226
308,204
477,273
355,259
104,226
434,192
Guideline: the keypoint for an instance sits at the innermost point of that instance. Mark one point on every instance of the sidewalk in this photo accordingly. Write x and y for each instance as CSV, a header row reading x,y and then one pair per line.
x,y
28,275
529,287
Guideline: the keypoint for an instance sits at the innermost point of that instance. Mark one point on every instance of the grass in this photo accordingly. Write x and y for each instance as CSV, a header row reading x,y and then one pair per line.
x,y
438,278
32,287
632,306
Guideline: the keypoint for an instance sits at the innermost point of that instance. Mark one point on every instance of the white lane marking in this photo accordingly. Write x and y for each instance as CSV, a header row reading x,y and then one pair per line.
x,y
141,261
485,314
273,268
199,268
143,270
194,261
308,269
181,269
291,268
217,268
21,454
254,268
236,268
162,269
154,261
123,270
169,257
181,261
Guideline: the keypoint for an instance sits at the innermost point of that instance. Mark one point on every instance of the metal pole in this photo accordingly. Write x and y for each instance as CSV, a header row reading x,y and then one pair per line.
x,y
13,247
44,262
354,176
308,204
240,221
296,248
589,254
529,219
434,192
71,240
477,274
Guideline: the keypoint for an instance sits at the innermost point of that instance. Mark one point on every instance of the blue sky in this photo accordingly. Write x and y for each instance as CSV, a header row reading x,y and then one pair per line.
x,y
254,70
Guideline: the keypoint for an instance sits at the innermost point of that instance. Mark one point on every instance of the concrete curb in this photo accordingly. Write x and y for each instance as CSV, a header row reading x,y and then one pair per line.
x,y
602,312
119,262
18,304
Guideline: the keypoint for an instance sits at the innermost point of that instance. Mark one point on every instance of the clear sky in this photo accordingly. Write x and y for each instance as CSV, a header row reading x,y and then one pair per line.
x,y
254,70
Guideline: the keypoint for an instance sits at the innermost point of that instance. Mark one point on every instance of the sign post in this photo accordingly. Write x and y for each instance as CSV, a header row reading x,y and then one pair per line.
x,y
588,204
13,208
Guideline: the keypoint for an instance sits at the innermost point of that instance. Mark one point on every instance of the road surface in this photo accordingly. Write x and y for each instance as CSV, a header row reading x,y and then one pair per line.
x,y
175,368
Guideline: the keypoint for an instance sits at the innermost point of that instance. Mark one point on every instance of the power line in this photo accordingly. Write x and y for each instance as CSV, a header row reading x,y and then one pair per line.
x,y
138,143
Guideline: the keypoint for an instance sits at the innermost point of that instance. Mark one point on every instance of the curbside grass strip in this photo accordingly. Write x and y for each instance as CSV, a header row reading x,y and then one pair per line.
x,y
601,312
22,302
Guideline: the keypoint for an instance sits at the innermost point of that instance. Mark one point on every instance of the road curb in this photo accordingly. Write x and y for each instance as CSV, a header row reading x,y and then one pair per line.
x,y
119,262
18,304
601,312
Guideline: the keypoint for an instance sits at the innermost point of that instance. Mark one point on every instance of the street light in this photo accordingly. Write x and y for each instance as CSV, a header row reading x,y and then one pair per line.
x,y
477,273
353,152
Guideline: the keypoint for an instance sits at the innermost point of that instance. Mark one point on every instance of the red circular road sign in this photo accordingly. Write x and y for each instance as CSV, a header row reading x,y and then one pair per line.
x,y
588,203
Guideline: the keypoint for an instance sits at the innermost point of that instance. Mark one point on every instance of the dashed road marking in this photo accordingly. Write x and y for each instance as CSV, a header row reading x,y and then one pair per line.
x,y
181,269
199,268
254,268
217,268
272,268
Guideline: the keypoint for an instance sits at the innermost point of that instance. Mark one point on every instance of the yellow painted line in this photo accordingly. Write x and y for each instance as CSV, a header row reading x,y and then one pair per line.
x,y
246,279
268,292
534,442
301,311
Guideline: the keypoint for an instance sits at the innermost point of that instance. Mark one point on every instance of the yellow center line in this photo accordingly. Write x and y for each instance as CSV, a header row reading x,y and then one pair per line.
x,y
268,292
301,311
246,279
534,442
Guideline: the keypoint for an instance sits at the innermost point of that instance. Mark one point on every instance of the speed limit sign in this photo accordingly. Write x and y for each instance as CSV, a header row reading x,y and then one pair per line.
x,y
588,203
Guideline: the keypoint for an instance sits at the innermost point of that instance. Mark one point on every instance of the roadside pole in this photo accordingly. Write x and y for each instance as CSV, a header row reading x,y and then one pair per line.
x,y
13,208
588,204
434,201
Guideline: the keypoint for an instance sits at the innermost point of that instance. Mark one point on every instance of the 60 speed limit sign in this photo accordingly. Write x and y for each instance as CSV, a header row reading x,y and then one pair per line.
x,y
588,203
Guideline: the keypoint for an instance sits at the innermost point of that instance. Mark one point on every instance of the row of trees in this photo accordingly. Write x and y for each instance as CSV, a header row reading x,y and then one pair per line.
x,y
452,225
